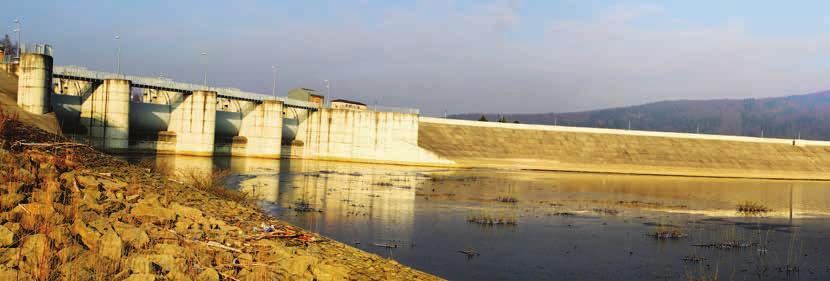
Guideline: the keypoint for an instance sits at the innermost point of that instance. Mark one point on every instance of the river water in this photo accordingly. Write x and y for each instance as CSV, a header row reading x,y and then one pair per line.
x,y
568,226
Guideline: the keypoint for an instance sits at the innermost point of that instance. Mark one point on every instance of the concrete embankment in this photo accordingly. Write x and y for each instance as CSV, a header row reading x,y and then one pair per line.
x,y
559,148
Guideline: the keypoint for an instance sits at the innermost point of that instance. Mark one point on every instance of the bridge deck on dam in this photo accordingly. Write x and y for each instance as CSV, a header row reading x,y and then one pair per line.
x,y
164,84
476,144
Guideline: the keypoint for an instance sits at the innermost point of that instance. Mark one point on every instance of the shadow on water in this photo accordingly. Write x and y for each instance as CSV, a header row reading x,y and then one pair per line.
x,y
561,226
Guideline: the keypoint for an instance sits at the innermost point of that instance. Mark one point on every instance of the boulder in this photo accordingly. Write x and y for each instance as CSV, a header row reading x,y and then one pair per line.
x,y
140,264
150,210
35,255
133,236
177,276
11,274
88,236
208,274
141,277
111,246
88,182
187,212
6,236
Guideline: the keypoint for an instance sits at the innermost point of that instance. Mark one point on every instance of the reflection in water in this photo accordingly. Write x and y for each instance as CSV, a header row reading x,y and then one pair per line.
x,y
571,226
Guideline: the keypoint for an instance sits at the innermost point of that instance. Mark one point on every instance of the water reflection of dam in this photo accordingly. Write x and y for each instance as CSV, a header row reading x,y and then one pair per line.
x,y
368,194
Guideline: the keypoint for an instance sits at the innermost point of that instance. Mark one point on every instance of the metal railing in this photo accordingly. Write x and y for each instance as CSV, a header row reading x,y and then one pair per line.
x,y
164,82
381,108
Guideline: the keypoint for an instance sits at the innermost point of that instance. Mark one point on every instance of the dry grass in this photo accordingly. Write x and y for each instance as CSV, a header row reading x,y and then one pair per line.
x,y
493,220
215,183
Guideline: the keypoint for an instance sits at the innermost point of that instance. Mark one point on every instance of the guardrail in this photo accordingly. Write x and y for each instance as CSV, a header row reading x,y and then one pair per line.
x,y
164,82
394,109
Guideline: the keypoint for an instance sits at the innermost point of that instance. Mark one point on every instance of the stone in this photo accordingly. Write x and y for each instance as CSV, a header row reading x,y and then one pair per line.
x,y
166,262
6,236
69,252
111,246
208,274
140,264
11,274
88,236
88,182
9,257
150,210
8,201
300,265
141,277
177,276
133,236
34,254
325,272
187,212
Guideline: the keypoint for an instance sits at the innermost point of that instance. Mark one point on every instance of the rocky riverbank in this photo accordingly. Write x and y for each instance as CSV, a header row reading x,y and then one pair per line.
x,y
68,212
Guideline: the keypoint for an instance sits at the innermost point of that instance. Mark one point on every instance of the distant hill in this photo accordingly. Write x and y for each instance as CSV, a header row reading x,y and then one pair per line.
x,y
780,117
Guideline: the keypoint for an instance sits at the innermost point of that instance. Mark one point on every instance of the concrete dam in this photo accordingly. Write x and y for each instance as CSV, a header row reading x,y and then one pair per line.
x,y
125,114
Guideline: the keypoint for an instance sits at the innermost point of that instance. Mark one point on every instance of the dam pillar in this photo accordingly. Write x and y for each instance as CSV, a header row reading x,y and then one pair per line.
x,y
34,83
192,125
260,133
106,115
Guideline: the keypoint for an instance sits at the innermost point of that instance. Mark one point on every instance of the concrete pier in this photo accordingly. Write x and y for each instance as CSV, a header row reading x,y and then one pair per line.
x,y
192,125
106,115
34,83
260,133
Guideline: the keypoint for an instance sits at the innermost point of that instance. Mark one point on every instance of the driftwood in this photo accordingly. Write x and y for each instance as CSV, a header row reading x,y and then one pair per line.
x,y
385,245
48,144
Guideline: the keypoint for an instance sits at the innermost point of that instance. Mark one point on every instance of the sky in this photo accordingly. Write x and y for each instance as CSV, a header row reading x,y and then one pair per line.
x,y
455,56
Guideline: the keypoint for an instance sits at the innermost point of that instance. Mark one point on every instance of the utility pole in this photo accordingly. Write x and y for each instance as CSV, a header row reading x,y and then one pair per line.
x,y
204,64
118,55
274,87
698,128
17,30
328,88
629,124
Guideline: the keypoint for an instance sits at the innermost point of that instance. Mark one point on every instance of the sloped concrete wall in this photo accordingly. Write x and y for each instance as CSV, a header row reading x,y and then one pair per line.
x,y
362,136
488,144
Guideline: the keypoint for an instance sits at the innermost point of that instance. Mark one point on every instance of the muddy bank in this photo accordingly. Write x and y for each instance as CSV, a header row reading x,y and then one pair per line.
x,y
68,212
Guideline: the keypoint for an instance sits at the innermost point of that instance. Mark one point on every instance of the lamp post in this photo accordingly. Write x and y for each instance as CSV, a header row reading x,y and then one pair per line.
x,y
274,87
204,64
118,55
328,88
17,30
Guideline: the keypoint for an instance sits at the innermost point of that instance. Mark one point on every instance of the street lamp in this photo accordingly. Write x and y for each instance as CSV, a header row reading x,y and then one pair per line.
x,y
118,55
274,87
204,64
328,88
17,30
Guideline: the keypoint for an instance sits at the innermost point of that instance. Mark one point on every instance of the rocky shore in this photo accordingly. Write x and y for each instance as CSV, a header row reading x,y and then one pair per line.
x,y
68,212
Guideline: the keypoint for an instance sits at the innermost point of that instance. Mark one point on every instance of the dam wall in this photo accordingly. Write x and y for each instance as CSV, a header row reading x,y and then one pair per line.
x,y
361,136
560,148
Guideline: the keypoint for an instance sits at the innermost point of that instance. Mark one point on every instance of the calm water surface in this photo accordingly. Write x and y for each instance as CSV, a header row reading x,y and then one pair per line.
x,y
569,226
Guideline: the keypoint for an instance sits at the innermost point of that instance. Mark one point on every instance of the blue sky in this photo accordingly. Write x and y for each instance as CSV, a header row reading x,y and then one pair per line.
x,y
459,56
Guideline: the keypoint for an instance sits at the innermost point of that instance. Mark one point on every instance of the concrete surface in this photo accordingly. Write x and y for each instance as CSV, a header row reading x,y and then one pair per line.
x,y
519,146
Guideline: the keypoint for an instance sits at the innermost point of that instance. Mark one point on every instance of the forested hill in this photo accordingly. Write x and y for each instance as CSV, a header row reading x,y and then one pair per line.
x,y
780,117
